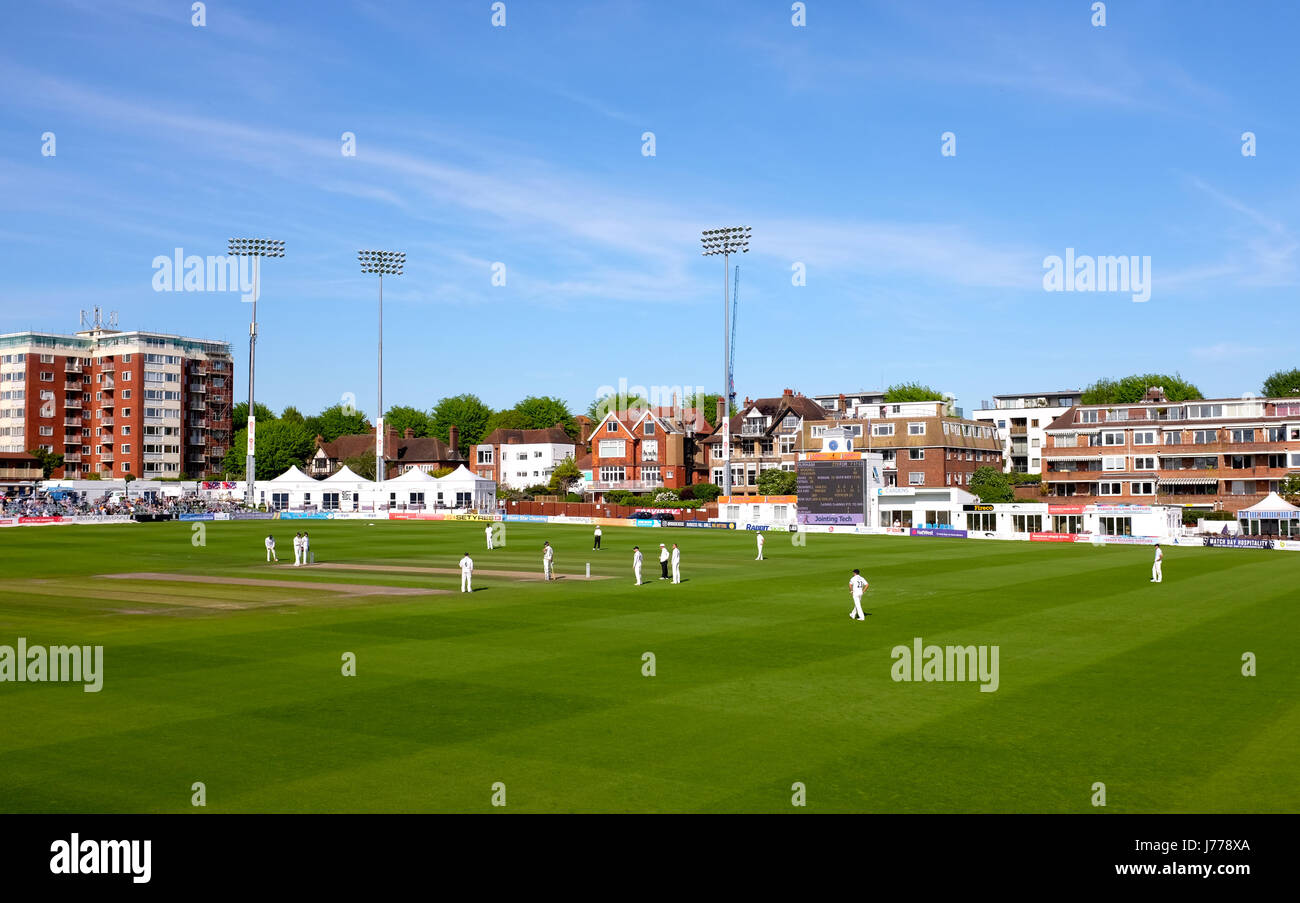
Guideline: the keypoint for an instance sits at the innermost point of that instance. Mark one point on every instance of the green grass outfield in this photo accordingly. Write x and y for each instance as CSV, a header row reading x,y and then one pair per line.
x,y
762,679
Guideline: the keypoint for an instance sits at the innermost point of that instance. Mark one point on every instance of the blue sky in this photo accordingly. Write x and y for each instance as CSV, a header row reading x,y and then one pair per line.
x,y
522,145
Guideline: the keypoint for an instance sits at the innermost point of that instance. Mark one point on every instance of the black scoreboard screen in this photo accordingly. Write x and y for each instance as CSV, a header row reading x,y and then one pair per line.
x,y
831,492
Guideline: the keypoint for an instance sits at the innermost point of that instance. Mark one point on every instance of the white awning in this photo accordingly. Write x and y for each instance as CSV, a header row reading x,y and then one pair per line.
x,y
1188,481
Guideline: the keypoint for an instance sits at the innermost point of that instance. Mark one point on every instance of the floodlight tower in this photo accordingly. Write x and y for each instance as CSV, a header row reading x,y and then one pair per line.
x,y
391,263
256,248
728,241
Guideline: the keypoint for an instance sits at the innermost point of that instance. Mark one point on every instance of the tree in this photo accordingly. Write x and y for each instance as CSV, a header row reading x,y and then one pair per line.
x,y
566,473
1290,488
991,485
239,413
775,481
279,446
1132,389
338,421
402,418
708,402
362,465
49,461
442,472
706,492
903,392
1282,383
612,401
467,413
290,413
541,412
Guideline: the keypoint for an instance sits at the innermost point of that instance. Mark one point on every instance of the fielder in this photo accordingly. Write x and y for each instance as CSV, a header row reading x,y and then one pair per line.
x,y
857,583
677,564
297,549
596,547
270,548
636,563
306,547
467,572
760,547
1157,568
548,559
663,562
488,534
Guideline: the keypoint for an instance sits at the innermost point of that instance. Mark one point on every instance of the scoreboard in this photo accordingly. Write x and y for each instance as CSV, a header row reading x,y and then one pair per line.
x,y
832,492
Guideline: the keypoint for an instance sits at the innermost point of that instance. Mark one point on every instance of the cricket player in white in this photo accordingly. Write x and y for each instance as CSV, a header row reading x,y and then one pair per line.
x,y
857,583
466,572
760,547
1157,569
488,534
548,556
636,563
306,547
677,564
297,549
270,549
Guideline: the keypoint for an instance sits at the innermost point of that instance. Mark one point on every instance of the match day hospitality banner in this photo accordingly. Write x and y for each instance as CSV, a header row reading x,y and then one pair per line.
x,y
1053,537
938,531
1237,542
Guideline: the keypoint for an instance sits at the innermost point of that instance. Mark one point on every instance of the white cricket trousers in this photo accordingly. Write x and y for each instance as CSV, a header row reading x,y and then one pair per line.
x,y
270,555
1157,572
857,606
677,573
546,569
465,585
637,568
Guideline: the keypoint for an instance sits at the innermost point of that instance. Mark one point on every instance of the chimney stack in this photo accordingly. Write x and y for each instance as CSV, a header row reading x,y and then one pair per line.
x,y
453,437
409,433
722,410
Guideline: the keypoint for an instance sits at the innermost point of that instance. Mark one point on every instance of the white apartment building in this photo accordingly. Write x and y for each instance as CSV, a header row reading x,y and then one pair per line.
x,y
1021,421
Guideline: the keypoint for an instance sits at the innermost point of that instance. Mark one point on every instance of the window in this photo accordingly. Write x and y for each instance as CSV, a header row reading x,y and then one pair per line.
x,y
1089,416
1112,438
126,431
611,427
613,474
1242,436
1110,489
916,454
1276,434
1174,437
537,454
1115,526
47,377
485,455
916,429
1204,437
126,378
1144,437
650,450
916,479
650,473
1027,523
1067,440
1144,464
882,429
1143,488
649,427
1112,462
47,431
523,456
279,500
1204,411
329,501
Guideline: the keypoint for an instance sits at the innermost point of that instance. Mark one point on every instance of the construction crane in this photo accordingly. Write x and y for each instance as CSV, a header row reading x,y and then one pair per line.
x,y
731,363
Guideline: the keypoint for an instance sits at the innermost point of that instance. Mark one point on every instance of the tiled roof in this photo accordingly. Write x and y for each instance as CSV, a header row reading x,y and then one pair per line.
x,y
551,435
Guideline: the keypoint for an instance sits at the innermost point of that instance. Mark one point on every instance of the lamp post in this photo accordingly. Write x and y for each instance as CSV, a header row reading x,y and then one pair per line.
x,y
380,263
256,248
728,241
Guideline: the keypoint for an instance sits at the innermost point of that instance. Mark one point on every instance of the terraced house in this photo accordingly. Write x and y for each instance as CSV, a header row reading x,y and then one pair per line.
x,y
922,444
1225,453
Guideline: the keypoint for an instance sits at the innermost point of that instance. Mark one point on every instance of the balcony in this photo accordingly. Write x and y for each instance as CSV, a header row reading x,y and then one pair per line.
x,y
108,403
217,451
198,405
108,385
107,368
72,421
199,424
72,367
198,387
72,387
72,457
72,404
107,421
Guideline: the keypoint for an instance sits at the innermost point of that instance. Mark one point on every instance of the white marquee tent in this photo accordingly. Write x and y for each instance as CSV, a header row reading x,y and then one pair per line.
x,y
1274,516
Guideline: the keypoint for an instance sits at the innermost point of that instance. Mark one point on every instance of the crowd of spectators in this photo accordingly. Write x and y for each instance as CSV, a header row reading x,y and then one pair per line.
x,y
44,504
